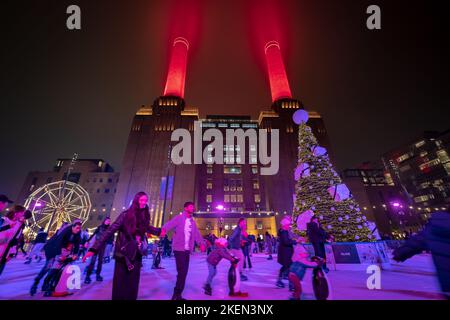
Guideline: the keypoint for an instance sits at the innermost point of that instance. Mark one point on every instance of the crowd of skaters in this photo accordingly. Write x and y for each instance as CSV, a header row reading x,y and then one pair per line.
x,y
128,235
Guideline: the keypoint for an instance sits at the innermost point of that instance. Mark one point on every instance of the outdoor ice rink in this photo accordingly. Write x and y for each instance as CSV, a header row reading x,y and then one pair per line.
x,y
414,279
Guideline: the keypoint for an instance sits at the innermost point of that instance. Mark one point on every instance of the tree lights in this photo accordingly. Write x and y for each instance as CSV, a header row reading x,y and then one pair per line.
x,y
322,192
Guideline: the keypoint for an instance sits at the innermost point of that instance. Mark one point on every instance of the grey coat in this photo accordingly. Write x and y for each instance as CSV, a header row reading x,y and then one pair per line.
x,y
177,225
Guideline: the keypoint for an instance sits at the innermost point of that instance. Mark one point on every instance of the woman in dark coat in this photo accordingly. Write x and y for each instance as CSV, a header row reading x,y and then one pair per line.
x,y
285,249
131,245
318,237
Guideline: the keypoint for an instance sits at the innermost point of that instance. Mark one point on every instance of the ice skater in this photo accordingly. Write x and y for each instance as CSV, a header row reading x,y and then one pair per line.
x,y
98,257
53,248
185,235
66,257
219,252
131,245
38,246
435,238
236,242
11,229
300,263
285,249
318,237
269,245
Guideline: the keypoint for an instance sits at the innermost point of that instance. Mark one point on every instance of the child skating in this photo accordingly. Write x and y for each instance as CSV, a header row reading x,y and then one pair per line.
x,y
220,252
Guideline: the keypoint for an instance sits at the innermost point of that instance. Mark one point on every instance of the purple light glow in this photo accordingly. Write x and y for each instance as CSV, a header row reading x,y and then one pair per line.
x,y
38,204
220,207
396,204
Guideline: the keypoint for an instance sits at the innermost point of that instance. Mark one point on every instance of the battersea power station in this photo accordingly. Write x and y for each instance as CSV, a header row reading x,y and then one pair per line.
x,y
223,192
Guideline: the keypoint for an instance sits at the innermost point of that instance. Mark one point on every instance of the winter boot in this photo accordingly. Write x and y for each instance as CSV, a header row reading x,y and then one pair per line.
x,y
208,289
280,284
34,288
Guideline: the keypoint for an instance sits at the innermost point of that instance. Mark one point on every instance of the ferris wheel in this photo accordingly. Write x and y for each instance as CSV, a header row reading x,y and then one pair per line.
x,y
58,202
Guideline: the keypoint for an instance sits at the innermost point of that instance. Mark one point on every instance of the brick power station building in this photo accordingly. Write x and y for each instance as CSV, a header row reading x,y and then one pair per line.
x,y
222,192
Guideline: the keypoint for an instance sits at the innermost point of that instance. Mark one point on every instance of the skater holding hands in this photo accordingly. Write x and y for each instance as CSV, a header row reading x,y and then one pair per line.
x,y
219,252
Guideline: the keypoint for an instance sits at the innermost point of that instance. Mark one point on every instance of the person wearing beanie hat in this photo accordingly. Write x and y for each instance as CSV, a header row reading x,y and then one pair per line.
x,y
285,249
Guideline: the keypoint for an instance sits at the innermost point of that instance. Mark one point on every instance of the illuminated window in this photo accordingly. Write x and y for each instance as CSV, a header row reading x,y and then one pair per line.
x,y
226,186
239,198
255,184
232,198
420,144
254,169
209,185
443,156
257,198
232,169
226,198
209,169
403,157
208,198
429,164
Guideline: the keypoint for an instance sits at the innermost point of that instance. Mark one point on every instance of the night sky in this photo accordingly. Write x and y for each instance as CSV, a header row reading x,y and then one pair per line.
x,y
76,91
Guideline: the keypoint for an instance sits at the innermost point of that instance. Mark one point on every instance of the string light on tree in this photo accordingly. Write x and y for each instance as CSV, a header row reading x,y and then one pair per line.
x,y
322,192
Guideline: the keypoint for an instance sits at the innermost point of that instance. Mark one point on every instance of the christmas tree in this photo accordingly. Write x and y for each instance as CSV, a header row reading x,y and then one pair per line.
x,y
319,191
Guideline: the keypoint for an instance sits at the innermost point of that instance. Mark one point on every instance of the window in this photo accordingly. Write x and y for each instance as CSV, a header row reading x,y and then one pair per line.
x,y
101,180
429,164
226,186
209,198
106,190
232,169
403,157
98,190
100,217
233,198
209,169
226,198
209,185
254,169
420,144
239,198
443,156
257,198
259,225
109,180
256,184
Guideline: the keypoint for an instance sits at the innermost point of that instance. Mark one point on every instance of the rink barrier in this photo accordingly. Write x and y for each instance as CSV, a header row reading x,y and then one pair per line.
x,y
356,255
